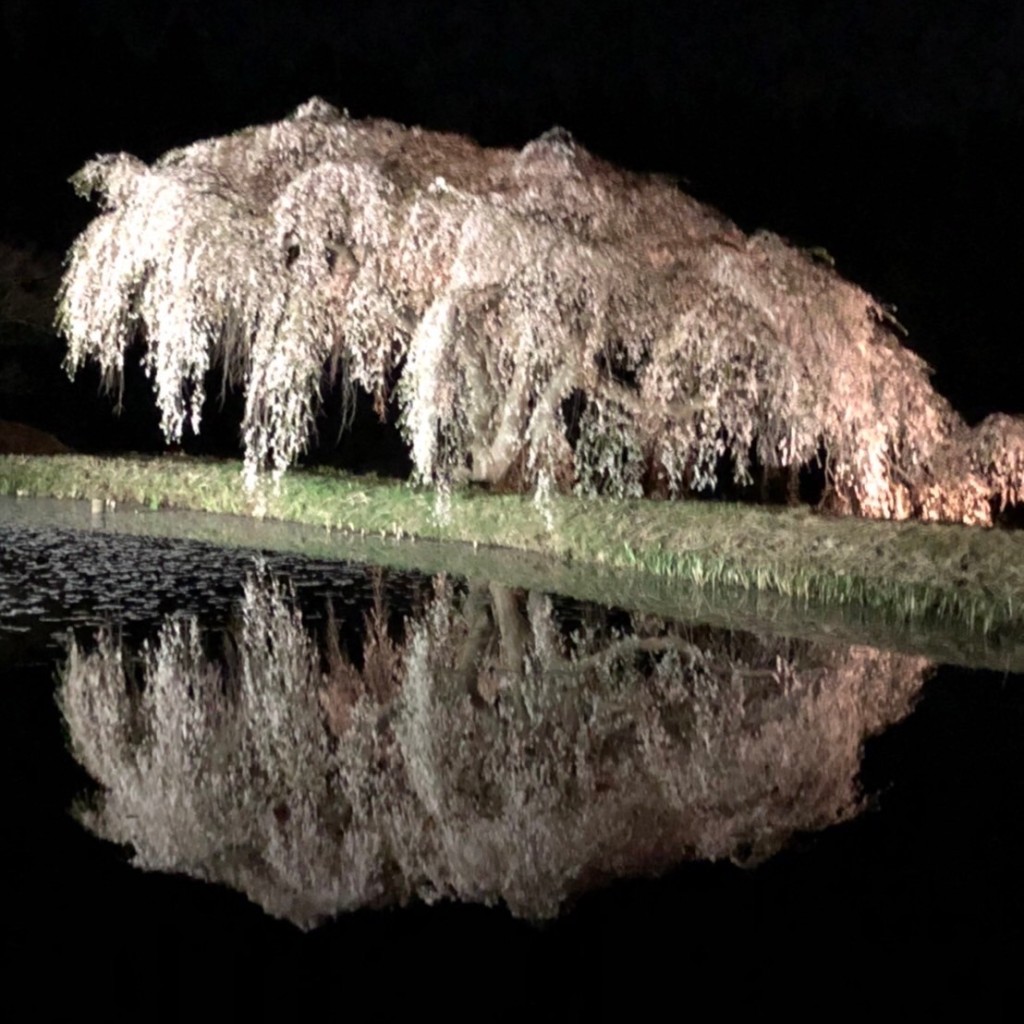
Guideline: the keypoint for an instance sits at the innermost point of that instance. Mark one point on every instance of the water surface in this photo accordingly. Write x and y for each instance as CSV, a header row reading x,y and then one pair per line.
x,y
212,744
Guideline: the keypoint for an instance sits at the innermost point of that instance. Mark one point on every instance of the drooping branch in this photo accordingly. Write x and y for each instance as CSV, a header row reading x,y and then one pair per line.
x,y
503,284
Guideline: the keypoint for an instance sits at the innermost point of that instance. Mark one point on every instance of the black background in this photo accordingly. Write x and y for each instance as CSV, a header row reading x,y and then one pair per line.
x,y
881,131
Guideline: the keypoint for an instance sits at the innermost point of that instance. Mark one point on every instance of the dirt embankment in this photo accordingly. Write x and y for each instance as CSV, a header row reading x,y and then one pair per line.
x,y
20,439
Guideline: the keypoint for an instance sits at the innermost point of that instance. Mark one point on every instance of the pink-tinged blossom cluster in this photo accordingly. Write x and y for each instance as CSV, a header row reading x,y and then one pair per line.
x,y
496,290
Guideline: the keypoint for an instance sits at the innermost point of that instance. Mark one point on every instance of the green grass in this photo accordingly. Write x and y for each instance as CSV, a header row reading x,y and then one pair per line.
x,y
905,571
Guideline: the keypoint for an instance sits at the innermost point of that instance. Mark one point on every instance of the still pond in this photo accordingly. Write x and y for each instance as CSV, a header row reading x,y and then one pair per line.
x,y
232,761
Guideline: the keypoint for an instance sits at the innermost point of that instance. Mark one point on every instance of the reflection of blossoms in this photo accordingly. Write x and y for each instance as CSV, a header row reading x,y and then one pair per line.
x,y
484,757
505,287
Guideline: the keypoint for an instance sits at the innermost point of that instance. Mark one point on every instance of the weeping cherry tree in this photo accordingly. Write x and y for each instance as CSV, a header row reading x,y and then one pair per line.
x,y
549,321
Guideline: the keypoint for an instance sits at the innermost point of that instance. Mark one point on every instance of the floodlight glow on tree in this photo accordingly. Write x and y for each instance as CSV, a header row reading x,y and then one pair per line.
x,y
496,285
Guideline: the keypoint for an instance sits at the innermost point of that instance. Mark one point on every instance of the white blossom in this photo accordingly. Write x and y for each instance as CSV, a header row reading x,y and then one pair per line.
x,y
499,286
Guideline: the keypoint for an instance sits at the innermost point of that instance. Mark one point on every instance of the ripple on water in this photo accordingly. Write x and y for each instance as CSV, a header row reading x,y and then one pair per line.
x,y
55,576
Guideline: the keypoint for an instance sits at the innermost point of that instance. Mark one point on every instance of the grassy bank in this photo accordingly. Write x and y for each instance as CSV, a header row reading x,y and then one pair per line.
x,y
910,571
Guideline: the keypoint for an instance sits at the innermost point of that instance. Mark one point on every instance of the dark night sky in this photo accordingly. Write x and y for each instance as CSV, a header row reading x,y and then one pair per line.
x,y
881,131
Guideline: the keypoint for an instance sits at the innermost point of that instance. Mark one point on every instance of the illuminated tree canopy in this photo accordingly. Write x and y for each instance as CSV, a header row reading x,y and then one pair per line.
x,y
550,321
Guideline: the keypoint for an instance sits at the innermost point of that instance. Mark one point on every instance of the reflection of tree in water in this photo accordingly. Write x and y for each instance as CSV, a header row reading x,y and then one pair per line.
x,y
484,756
